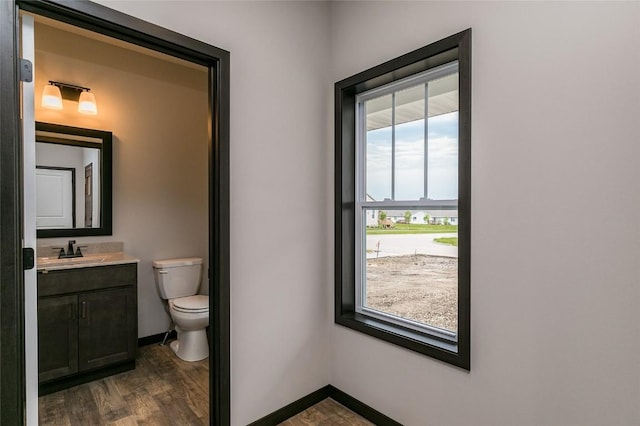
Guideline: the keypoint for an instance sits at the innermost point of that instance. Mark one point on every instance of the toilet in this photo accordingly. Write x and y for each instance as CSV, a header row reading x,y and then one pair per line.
x,y
177,281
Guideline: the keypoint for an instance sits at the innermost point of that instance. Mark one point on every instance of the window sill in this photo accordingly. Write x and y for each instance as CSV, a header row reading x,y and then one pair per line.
x,y
410,339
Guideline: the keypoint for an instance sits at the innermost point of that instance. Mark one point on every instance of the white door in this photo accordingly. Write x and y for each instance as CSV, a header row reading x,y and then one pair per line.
x,y
54,197
29,231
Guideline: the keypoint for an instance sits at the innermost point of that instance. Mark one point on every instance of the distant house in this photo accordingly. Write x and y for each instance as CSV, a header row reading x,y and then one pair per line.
x,y
372,215
436,217
372,218
396,216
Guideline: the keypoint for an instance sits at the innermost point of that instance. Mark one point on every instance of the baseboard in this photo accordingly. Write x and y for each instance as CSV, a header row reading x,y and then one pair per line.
x,y
155,338
313,398
292,409
360,407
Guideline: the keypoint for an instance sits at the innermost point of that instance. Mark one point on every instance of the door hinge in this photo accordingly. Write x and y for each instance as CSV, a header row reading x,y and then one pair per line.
x,y
26,70
28,258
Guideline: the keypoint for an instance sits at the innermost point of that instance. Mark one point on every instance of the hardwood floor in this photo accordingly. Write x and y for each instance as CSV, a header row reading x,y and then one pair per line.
x,y
325,413
162,390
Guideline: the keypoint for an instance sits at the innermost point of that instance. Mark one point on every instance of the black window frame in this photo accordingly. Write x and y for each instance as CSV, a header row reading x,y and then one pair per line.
x,y
454,48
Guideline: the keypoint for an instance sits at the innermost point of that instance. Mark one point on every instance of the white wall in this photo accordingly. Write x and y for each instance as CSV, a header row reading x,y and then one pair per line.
x,y
279,268
157,112
555,292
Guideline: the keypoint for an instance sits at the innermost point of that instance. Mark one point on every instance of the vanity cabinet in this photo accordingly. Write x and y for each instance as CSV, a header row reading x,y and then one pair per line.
x,y
57,337
87,324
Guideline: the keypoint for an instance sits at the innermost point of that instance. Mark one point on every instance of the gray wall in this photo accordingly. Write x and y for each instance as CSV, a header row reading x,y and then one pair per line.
x,y
157,111
280,271
555,323
555,207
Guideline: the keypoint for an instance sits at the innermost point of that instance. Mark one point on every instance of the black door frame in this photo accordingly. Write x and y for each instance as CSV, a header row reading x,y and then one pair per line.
x,y
103,20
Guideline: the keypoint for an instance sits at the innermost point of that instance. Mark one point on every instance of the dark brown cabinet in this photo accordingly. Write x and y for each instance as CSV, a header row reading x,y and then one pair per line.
x,y
87,324
57,337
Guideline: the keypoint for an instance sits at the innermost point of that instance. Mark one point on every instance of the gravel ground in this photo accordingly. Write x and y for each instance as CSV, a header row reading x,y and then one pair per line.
x,y
418,287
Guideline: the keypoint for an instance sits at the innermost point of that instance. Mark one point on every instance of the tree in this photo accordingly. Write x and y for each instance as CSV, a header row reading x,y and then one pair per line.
x,y
426,218
407,216
446,221
382,215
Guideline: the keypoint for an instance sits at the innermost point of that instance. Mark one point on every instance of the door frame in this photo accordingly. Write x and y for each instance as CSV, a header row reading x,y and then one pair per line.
x,y
98,18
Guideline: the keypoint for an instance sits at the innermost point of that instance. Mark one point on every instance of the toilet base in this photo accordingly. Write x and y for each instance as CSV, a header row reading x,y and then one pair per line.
x,y
191,345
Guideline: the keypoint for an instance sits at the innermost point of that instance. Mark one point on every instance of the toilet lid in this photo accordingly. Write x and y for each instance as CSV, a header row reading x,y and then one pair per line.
x,y
197,303
173,263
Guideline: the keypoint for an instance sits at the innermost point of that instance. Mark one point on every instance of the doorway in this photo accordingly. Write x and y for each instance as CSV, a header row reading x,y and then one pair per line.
x,y
105,21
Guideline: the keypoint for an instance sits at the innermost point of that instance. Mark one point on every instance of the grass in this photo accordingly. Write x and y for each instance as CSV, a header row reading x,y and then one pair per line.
x,y
411,228
452,241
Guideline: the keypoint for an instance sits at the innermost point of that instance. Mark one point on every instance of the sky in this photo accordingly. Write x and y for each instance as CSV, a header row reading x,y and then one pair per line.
x,y
442,167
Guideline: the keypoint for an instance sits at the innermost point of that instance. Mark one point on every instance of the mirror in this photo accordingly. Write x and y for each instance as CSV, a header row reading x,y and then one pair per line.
x,y
73,181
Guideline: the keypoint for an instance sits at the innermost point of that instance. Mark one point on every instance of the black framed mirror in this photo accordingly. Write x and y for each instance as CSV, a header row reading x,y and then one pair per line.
x,y
73,181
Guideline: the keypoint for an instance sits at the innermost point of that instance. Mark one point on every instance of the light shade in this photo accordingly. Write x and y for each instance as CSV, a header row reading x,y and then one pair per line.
x,y
87,103
51,97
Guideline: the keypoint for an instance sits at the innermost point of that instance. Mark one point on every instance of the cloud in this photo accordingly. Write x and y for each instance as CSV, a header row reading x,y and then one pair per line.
x,y
442,170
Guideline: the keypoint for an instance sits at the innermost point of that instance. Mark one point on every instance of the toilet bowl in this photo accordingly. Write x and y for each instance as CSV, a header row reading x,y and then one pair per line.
x,y
191,317
177,281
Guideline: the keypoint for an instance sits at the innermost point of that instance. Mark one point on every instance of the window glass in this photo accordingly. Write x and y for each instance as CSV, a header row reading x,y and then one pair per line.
x,y
442,168
409,164
411,266
379,147
409,143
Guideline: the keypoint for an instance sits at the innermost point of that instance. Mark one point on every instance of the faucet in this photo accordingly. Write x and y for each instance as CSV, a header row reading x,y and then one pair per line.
x,y
70,252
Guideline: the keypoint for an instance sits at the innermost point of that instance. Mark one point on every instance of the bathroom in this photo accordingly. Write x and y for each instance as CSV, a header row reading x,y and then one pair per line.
x,y
156,108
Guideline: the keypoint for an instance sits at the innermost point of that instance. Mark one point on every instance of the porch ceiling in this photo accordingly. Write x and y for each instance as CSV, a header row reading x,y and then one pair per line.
x,y
443,99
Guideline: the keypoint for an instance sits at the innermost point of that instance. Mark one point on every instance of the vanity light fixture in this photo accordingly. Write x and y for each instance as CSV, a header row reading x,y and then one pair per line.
x,y
55,92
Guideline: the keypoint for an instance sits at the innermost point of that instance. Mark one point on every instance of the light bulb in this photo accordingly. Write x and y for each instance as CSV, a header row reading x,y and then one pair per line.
x,y
87,103
51,97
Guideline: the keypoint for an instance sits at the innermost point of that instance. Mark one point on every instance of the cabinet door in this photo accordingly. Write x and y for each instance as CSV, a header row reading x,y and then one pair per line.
x,y
107,327
57,337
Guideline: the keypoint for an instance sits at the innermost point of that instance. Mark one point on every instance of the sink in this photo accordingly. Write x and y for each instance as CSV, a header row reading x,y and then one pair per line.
x,y
87,259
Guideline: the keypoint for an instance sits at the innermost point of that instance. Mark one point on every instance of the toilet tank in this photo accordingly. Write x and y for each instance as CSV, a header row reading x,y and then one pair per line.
x,y
177,277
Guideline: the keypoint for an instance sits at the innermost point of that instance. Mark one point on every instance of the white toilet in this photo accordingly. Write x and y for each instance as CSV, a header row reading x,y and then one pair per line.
x,y
178,281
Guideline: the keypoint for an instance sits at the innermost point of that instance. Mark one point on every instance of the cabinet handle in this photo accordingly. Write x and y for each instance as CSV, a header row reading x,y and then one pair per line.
x,y
84,309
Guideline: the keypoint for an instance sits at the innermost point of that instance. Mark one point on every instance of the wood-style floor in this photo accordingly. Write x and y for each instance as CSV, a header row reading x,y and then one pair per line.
x,y
162,390
326,413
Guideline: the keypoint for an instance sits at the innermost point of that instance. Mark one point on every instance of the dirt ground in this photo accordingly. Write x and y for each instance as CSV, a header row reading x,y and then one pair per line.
x,y
418,287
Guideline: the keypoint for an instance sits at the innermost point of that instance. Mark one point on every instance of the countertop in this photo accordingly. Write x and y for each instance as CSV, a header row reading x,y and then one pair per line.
x,y
87,261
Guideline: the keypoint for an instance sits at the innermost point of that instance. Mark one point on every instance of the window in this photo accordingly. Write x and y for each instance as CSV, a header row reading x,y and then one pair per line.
x,y
403,133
